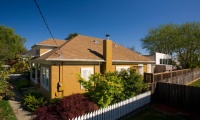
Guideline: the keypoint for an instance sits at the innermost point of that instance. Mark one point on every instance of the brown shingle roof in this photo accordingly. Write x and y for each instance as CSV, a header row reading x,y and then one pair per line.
x,y
84,48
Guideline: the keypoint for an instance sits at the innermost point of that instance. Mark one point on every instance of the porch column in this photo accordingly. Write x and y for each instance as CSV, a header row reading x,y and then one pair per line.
x,y
30,64
140,69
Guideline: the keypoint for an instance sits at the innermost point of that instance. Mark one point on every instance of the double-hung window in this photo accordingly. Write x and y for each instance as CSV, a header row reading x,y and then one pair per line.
x,y
45,78
140,69
85,73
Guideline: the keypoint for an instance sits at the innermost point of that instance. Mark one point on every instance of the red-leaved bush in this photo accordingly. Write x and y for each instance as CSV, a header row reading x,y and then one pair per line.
x,y
67,108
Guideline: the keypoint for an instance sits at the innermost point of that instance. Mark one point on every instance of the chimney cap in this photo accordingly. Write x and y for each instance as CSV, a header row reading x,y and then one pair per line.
x,y
107,36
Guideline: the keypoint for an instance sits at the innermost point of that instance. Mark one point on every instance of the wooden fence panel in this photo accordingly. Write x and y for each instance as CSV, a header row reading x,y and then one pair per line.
x,y
187,97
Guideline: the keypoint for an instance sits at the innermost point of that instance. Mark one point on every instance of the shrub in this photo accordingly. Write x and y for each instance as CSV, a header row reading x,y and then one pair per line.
x,y
5,87
23,83
102,88
34,100
67,108
5,90
113,87
46,113
133,83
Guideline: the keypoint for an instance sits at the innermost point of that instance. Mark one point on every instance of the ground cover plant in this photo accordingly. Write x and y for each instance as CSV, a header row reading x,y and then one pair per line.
x,y
6,112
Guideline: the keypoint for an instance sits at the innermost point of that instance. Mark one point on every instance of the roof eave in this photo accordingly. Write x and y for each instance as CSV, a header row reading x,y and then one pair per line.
x,y
133,61
86,60
44,45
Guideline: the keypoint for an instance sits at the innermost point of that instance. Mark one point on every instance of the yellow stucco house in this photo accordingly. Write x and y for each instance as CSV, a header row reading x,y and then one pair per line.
x,y
55,67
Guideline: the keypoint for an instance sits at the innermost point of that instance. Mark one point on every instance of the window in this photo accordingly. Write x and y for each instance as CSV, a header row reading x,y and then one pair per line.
x,y
85,73
119,68
45,78
161,61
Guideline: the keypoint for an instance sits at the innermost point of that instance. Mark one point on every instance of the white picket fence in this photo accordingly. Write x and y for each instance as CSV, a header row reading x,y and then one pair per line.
x,y
118,110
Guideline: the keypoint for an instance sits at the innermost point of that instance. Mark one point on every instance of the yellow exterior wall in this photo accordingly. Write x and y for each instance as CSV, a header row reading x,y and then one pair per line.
x,y
68,78
145,67
43,50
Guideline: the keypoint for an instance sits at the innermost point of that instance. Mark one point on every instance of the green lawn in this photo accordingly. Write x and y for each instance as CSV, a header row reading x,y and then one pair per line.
x,y
6,112
196,83
150,114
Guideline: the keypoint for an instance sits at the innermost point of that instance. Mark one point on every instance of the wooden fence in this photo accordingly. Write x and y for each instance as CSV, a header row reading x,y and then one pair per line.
x,y
182,77
118,110
182,96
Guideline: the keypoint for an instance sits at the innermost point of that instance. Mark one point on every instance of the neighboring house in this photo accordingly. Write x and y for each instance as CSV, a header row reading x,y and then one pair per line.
x,y
163,62
56,65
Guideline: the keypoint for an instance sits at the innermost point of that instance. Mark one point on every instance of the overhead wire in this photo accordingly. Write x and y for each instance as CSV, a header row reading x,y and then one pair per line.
x,y
46,23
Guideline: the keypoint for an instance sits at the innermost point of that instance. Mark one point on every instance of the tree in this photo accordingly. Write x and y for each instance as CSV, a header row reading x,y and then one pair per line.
x,y
11,45
180,40
133,49
71,35
187,44
160,39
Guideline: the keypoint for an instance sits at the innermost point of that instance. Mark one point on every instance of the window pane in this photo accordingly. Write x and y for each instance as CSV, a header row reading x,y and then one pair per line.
x,y
47,73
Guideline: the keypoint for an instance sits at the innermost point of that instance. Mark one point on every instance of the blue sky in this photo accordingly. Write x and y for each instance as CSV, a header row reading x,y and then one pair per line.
x,y
127,21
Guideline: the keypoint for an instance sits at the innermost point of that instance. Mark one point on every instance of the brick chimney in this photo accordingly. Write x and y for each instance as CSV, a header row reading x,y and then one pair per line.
x,y
107,54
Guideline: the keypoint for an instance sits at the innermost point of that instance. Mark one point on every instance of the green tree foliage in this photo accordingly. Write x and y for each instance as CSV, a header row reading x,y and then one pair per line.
x,y
20,66
181,40
112,87
11,45
71,35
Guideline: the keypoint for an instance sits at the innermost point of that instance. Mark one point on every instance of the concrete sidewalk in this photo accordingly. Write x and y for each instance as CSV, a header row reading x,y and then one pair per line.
x,y
19,111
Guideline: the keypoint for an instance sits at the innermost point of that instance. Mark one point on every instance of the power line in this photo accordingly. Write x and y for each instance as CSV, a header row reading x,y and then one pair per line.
x,y
45,22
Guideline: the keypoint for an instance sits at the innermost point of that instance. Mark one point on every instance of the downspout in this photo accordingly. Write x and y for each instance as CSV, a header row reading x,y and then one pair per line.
x,y
60,83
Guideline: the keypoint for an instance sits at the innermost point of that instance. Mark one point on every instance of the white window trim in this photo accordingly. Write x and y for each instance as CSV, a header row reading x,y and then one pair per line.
x,y
119,68
141,67
149,68
41,78
86,68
